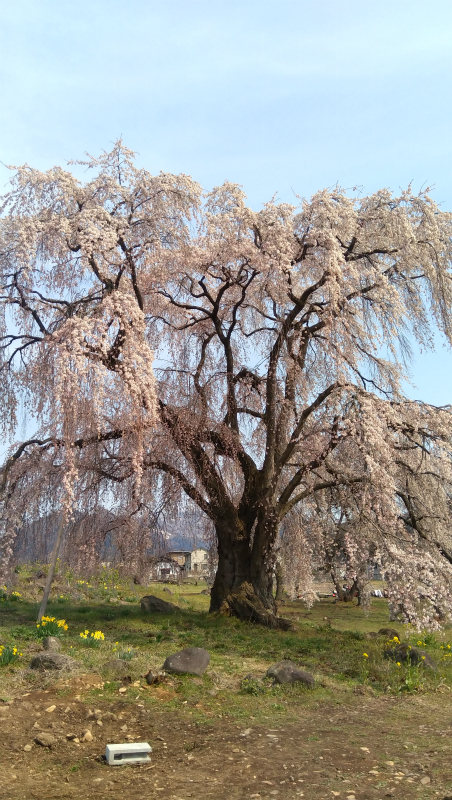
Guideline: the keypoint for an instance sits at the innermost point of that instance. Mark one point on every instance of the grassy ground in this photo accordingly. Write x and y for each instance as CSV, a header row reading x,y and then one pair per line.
x,y
354,683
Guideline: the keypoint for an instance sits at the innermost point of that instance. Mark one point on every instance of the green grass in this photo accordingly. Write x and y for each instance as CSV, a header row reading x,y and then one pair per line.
x,y
329,641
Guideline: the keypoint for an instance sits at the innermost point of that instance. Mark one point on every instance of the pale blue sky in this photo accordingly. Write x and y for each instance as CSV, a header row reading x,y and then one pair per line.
x,y
279,95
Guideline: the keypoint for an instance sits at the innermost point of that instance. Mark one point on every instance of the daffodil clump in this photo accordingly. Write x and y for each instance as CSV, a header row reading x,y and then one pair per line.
x,y
49,626
93,639
14,596
447,652
8,655
127,654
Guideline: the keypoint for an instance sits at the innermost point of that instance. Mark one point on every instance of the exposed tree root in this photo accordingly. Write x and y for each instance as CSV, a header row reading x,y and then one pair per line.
x,y
246,605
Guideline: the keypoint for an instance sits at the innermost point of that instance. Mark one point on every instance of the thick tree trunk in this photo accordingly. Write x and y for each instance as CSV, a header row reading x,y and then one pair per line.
x,y
345,595
243,585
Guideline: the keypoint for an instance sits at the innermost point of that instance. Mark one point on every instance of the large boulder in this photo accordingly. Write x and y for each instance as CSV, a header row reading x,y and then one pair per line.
x,y
407,654
191,661
51,660
288,672
150,604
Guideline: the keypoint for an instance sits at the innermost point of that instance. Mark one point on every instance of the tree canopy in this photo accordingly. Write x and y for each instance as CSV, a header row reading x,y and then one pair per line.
x,y
170,341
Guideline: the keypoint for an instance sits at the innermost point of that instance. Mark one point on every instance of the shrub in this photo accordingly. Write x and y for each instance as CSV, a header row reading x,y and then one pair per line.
x,y
250,685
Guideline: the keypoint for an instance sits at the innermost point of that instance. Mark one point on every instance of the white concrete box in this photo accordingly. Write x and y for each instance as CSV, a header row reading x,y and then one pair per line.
x,y
127,753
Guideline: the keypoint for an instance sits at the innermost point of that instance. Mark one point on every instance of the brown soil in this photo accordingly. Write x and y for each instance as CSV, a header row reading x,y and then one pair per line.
x,y
335,750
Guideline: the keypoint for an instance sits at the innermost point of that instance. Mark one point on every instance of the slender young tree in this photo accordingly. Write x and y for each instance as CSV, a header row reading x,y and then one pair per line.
x,y
251,360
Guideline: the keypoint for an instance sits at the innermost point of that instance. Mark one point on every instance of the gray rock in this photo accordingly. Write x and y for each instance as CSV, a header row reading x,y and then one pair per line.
x,y
191,661
287,672
165,589
45,739
205,591
51,660
388,632
408,654
51,643
150,603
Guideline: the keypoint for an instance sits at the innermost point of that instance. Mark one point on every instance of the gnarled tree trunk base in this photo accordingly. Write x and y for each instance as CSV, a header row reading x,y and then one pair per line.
x,y
246,605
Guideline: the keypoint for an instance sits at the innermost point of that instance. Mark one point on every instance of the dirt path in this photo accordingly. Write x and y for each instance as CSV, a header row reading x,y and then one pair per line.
x,y
371,748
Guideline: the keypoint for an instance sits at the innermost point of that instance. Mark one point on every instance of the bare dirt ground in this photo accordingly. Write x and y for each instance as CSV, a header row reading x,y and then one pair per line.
x,y
364,747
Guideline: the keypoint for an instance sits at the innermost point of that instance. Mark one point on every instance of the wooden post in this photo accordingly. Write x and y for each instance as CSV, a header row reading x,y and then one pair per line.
x,y
51,573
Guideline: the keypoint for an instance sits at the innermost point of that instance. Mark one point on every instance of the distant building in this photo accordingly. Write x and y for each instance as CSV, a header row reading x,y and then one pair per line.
x,y
180,556
164,568
179,564
198,563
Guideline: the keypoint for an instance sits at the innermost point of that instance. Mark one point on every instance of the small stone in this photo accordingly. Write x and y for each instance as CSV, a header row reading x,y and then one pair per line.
x,y
122,689
389,763
45,739
409,654
50,709
365,749
425,781
124,728
286,672
51,643
87,737
390,633
152,604
71,737
190,661
99,722
27,748
51,660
